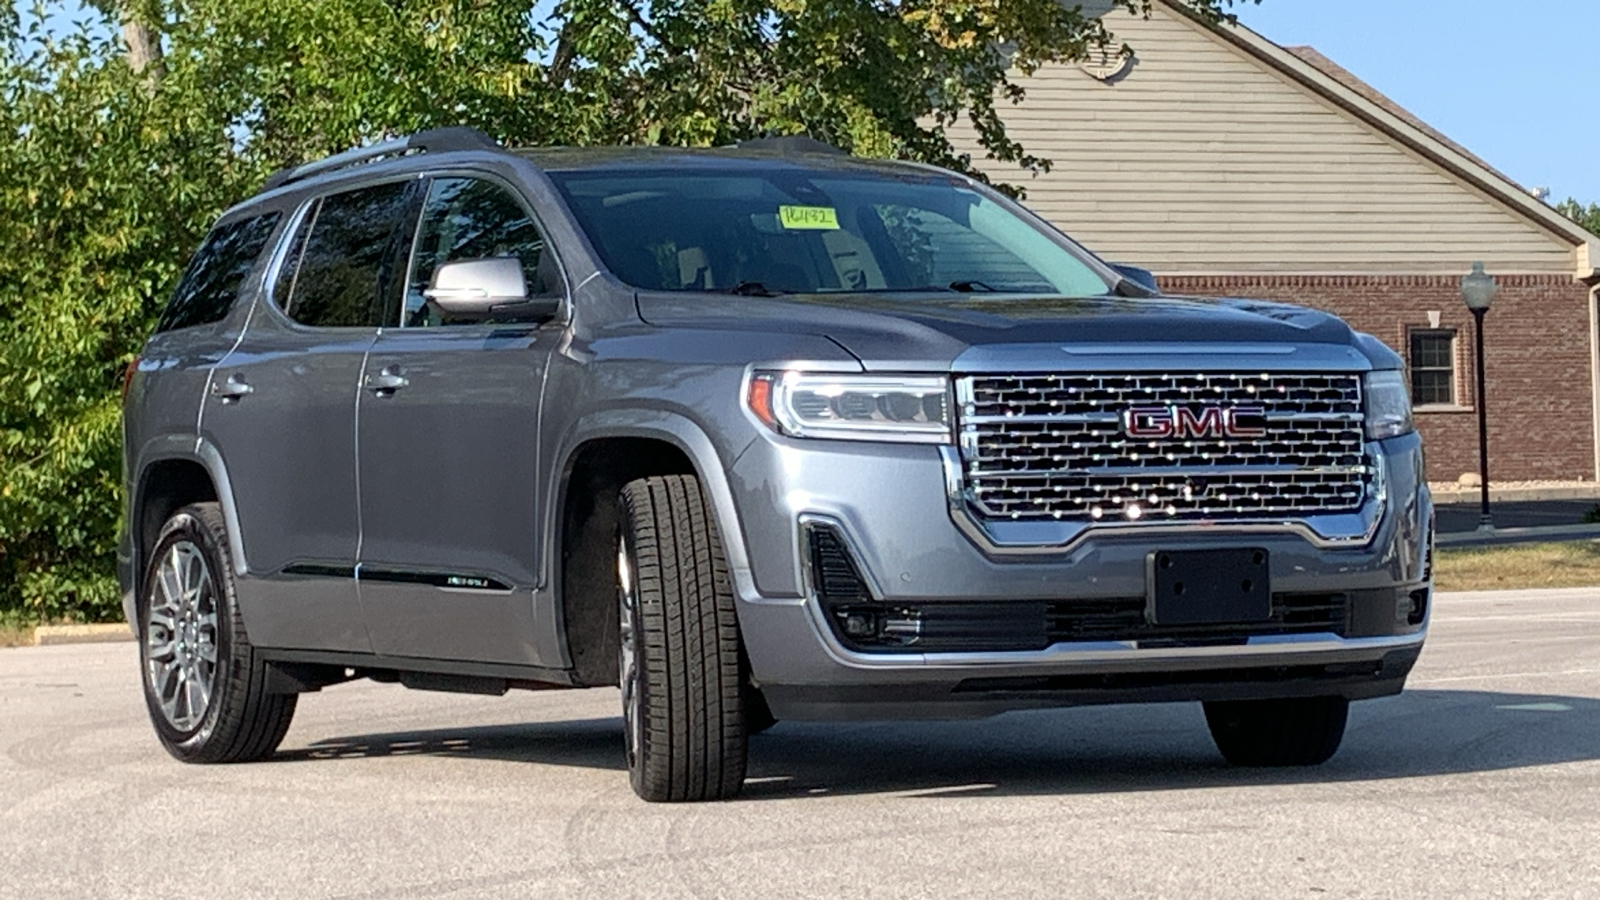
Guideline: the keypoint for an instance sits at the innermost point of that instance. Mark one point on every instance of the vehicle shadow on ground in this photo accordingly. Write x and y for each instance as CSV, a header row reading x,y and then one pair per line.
x,y
588,743
1067,751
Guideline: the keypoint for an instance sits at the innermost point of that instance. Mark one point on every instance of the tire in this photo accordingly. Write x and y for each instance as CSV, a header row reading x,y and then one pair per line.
x,y
681,662
1294,732
204,684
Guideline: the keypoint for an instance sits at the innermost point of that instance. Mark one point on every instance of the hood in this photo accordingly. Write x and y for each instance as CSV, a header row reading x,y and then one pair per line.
x,y
920,332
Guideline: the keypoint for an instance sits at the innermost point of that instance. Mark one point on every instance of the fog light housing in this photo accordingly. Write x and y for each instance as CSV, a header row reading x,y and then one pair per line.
x,y
871,628
858,625
1417,609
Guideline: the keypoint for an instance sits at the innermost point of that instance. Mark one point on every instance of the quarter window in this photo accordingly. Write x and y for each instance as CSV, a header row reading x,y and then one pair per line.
x,y
340,270
212,281
469,218
1433,368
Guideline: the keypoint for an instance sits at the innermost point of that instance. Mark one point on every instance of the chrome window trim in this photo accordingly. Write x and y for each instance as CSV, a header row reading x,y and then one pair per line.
x,y
314,199
269,285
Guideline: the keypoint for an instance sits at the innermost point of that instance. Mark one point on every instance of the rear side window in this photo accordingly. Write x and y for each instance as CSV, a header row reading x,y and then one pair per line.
x,y
212,281
342,269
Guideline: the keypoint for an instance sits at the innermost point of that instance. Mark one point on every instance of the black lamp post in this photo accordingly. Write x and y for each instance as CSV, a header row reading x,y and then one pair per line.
x,y
1477,289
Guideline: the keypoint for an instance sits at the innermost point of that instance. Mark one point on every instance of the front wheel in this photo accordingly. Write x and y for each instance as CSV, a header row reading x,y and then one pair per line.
x,y
204,684
1293,732
681,663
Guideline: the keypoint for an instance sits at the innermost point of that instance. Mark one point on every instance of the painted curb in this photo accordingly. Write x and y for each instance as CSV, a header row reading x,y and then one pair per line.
x,y
1464,496
50,635
1532,535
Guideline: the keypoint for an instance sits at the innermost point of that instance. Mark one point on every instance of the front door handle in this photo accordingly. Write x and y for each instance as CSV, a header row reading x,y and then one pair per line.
x,y
232,390
385,383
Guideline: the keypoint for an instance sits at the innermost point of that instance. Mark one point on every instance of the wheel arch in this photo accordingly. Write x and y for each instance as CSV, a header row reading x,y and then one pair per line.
x,y
174,473
607,451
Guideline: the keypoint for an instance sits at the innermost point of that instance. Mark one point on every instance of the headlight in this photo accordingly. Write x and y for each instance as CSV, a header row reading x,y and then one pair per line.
x,y
853,407
1388,405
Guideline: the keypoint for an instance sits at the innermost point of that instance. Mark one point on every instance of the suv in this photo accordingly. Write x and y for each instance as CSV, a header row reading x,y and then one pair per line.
x,y
756,433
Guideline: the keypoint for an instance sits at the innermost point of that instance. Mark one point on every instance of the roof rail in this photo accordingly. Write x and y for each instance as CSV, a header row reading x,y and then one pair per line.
x,y
790,143
439,140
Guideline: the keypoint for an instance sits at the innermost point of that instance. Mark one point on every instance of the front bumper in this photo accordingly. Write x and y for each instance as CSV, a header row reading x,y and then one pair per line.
x,y
891,505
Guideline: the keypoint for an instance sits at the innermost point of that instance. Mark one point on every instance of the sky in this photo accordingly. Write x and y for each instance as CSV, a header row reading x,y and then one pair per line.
x,y
1514,82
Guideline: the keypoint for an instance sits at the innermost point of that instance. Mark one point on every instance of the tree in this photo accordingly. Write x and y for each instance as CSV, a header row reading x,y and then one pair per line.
x,y
126,137
1587,216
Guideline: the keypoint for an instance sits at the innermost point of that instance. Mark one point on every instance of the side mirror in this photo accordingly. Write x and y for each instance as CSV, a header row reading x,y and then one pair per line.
x,y
1142,277
487,290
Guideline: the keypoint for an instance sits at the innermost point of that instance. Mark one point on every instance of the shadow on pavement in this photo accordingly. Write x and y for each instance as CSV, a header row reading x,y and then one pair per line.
x,y
1068,751
590,743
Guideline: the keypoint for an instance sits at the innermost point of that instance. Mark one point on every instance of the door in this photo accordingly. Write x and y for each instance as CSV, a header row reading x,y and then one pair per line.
x,y
281,412
448,433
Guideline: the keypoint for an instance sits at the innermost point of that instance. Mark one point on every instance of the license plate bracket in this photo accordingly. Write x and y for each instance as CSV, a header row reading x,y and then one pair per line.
x,y
1208,587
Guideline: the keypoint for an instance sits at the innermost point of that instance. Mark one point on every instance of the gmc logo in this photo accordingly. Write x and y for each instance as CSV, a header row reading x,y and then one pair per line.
x,y
1158,422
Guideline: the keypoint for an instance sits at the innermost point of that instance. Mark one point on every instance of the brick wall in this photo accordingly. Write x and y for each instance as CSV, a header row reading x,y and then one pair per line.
x,y
1538,366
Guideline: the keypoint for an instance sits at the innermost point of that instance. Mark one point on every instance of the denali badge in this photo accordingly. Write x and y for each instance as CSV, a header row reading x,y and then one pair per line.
x,y
1156,422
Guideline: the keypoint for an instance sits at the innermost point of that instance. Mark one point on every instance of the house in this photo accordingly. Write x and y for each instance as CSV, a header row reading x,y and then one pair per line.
x,y
1231,166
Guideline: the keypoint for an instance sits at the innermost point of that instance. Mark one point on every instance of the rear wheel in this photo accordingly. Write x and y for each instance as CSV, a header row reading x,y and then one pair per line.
x,y
681,666
1293,732
203,684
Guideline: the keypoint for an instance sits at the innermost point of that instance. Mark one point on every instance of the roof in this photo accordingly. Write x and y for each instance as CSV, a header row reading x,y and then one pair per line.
x,y
1326,79
570,159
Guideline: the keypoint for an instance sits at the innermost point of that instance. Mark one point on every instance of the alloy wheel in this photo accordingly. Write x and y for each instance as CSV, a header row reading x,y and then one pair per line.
x,y
628,661
180,636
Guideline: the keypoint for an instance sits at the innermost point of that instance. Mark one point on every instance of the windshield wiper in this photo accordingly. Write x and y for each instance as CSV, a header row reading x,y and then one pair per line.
x,y
970,287
954,287
923,289
749,289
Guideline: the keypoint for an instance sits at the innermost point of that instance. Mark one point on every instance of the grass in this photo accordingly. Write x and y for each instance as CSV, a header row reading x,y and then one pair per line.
x,y
15,635
1573,564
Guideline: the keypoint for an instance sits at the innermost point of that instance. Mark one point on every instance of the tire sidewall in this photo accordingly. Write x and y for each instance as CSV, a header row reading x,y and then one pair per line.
x,y
187,526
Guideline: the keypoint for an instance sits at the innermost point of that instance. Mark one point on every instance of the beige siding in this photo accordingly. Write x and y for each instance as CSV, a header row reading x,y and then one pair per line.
x,y
1204,160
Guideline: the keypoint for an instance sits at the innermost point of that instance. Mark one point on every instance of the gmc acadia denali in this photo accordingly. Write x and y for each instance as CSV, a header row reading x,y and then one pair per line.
x,y
756,433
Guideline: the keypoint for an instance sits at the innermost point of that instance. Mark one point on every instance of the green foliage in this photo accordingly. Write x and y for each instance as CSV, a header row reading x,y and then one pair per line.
x,y
109,177
1587,216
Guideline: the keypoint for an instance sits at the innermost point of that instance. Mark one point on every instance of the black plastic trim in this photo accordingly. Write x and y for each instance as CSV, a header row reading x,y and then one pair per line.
x,y
461,581
519,676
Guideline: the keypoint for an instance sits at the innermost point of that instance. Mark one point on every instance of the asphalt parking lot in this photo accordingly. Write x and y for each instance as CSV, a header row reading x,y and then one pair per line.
x,y
1482,780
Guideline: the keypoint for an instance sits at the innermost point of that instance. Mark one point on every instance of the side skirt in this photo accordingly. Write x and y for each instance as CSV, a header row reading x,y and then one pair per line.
x,y
301,671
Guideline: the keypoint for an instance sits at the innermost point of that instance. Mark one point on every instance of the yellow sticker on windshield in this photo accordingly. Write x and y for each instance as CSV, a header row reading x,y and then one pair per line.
x,y
809,218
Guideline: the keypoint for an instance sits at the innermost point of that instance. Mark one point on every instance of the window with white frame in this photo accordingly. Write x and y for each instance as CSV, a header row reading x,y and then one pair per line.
x,y
1433,367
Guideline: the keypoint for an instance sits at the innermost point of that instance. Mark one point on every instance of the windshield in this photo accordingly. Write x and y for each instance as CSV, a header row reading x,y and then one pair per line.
x,y
791,231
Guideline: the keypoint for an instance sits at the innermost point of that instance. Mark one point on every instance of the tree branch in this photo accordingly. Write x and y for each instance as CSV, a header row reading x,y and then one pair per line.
x,y
144,47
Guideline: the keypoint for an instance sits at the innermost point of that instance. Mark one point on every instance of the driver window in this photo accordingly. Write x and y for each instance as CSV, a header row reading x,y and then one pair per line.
x,y
468,218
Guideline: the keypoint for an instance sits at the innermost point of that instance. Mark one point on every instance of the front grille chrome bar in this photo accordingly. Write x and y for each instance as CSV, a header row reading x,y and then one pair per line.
x,y
1053,447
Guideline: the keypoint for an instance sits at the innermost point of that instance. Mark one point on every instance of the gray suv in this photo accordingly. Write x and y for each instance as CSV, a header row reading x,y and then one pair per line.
x,y
756,433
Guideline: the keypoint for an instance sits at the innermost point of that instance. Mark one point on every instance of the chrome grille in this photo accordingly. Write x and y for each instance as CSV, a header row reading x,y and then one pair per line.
x,y
1053,447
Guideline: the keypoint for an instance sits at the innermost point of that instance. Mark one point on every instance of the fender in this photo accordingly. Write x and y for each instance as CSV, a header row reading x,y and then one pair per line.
x,y
196,449
672,428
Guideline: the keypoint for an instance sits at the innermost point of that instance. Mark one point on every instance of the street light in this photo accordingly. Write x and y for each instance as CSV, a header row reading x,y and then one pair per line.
x,y
1477,289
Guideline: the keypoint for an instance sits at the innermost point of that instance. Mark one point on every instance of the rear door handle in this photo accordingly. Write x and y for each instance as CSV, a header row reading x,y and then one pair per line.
x,y
232,390
386,382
